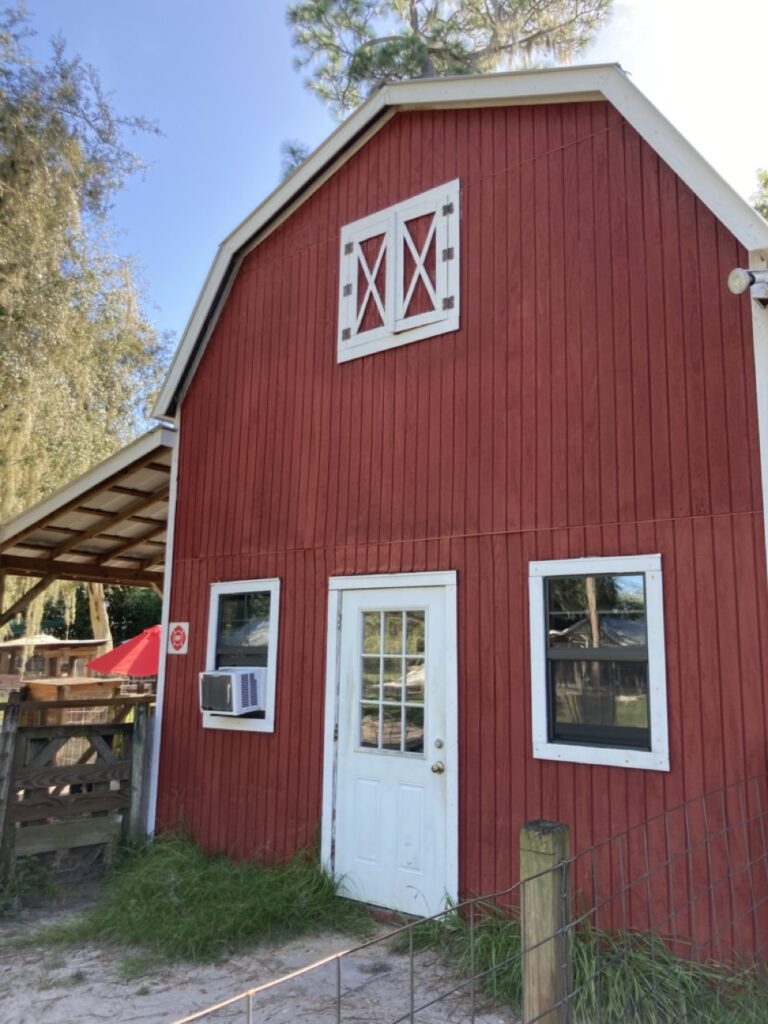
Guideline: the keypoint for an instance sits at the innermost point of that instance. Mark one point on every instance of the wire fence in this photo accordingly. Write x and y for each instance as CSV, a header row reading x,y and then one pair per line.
x,y
666,921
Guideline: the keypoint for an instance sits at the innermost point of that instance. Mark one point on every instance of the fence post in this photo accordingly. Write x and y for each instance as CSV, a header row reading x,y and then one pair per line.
x,y
545,911
138,764
7,759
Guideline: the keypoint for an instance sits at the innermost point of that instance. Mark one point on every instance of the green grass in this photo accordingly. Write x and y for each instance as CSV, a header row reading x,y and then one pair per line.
x,y
171,901
31,885
624,978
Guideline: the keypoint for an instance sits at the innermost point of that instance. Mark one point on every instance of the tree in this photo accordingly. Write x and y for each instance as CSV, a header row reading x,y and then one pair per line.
x,y
67,615
78,358
131,610
293,153
760,198
353,46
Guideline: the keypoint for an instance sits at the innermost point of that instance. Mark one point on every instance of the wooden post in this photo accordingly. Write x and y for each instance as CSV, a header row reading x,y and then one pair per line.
x,y
97,606
545,912
139,744
7,760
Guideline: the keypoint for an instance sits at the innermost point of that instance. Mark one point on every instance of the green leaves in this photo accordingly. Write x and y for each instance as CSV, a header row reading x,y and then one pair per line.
x,y
293,153
760,198
352,46
79,360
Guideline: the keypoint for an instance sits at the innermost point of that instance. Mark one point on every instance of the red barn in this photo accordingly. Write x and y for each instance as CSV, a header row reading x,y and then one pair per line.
x,y
468,512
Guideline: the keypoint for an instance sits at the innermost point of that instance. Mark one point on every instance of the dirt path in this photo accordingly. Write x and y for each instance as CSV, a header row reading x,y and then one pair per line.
x,y
40,985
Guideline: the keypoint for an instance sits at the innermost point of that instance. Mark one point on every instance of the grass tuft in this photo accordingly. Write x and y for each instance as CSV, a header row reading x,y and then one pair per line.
x,y
134,966
623,978
175,902
30,885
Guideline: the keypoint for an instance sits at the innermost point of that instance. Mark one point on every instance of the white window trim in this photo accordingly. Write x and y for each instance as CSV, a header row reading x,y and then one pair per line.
x,y
396,329
655,759
233,723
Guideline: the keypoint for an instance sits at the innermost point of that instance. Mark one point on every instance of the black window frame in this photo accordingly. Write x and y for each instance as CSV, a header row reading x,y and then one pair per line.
x,y
595,734
256,661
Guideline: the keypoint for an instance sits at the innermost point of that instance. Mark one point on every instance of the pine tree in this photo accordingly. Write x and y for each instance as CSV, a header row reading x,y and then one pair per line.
x,y
352,46
293,153
760,198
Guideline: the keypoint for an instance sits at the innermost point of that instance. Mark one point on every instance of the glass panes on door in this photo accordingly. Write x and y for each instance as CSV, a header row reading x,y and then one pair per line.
x,y
392,681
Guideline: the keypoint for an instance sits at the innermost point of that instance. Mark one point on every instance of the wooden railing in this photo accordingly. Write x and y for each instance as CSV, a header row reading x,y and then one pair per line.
x,y
69,785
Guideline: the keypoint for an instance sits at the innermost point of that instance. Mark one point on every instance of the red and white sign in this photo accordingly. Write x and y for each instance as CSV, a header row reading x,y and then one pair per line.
x,y
178,637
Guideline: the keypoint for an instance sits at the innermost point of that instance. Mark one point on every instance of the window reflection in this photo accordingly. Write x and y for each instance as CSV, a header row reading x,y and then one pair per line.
x,y
602,697
414,680
597,611
371,678
369,725
599,693
243,630
393,632
414,730
393,680
416,628
391,733
371,632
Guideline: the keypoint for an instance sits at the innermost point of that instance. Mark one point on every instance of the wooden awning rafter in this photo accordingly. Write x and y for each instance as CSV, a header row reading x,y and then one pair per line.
x,y
107,526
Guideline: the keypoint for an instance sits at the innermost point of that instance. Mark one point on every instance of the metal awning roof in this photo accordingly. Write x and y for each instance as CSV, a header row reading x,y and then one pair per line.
x,y
107,526
42,641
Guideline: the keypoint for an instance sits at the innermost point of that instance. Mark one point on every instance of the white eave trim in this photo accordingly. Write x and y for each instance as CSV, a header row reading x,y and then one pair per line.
x,y
165,615
573,84
160,437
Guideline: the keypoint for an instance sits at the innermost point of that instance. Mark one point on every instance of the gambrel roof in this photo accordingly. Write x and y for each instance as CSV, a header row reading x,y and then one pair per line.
x,y
588,83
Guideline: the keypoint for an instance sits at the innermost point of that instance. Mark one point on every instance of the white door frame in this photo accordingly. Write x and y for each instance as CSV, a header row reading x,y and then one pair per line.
x,y
336,586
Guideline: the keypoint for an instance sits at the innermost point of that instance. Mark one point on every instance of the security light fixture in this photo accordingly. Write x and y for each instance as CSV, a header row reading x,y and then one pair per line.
x,y
739,280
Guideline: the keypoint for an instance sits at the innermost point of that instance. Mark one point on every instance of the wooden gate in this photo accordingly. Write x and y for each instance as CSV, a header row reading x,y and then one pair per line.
x,y
71,789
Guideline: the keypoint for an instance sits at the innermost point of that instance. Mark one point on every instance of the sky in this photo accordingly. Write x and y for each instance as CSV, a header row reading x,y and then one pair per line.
x,y
217,78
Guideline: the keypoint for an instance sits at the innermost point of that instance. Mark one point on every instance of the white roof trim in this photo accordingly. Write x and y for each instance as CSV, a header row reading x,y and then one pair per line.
x,y
590,82
159,437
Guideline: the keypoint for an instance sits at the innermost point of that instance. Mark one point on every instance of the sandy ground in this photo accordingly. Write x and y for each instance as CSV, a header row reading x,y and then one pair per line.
x,y
39,985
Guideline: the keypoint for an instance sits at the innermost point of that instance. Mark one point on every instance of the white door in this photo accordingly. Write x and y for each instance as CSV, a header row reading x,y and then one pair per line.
x,y
393,821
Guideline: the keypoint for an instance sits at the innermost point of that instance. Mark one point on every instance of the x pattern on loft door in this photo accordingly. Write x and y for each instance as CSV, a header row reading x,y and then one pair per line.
x,y
419,277
399,271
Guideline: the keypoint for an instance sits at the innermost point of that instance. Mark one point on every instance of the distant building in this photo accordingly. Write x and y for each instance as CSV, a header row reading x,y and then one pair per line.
x,y
42,656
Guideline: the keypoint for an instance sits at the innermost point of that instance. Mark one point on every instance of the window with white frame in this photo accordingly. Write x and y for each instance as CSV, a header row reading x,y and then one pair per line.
x,y
598,678
399,274
242,633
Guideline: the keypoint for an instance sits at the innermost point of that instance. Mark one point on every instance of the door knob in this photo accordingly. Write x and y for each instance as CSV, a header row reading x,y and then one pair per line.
x,y
438,767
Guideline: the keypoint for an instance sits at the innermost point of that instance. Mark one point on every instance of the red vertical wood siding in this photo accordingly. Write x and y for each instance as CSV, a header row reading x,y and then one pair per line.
x,y
599,399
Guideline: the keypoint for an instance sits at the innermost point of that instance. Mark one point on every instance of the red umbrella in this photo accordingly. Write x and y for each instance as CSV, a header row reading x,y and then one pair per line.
x,y
138,656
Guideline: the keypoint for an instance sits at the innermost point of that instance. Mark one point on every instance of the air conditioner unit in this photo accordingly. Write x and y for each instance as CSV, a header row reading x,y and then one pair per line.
x,y
233,691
